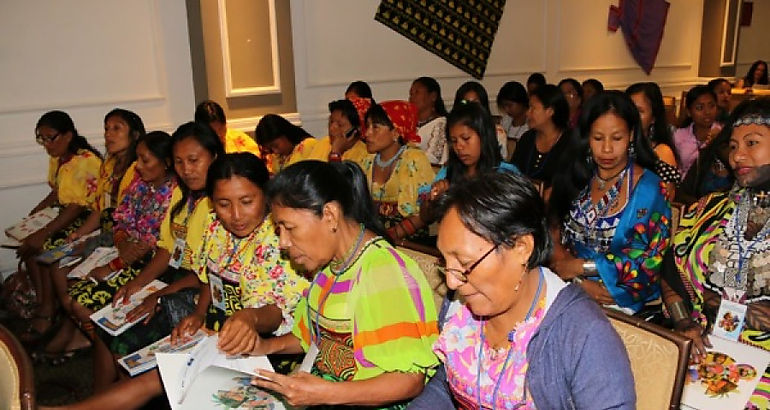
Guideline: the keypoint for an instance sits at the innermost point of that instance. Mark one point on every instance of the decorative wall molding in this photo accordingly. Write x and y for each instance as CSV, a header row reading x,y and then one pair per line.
x,y
681,65
730,21
230,90
247,124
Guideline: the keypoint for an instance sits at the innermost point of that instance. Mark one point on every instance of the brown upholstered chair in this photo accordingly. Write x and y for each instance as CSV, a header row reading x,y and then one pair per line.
x,y
659,359
428,260
17,384
669,104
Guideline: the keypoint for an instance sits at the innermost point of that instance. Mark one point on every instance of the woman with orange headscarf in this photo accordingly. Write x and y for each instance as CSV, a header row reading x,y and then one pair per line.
x,y
398,169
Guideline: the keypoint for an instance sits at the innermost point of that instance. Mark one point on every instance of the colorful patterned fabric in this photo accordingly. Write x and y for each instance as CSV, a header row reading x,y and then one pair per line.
x,y
433,140
460,32
643,22
239,141
403,115
357,153
362,106
631,265
75,178
142,209
458,348
252,269
276,163
397,198
96,295
187,224
384,301
111,188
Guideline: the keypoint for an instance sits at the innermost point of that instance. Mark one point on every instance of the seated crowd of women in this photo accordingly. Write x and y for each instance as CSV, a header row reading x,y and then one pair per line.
x,y
287,245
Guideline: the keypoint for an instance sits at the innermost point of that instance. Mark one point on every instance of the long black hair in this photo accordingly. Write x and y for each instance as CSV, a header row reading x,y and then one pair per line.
x,y
135,131
209,111
749,79
660,133
361,88
209,140
577,171
477,88
475,117
550,96
432,86
312,184
273,126
62,123
240,164
159,144
512,91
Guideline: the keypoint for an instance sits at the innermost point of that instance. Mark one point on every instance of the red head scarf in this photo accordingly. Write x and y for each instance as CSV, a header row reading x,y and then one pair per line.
x,y
403,115
362,106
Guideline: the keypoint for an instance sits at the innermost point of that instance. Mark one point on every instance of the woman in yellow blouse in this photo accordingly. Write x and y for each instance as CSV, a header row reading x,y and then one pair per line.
x,y
72,175
282,142
398,169
345,132
211,113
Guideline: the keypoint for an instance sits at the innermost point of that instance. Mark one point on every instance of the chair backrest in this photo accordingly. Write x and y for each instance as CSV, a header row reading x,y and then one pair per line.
x,y
659,359
669,104
17,385
677,208
427,258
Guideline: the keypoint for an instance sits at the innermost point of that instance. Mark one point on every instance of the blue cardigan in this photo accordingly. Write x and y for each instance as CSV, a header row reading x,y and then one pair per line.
x,y
576,361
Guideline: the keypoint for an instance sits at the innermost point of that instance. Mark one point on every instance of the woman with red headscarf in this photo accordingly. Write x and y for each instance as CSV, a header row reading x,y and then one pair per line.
x,y
346,132
398,169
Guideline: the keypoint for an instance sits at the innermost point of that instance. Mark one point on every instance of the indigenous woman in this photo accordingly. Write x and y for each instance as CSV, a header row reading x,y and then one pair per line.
x,y
73,171
473,91
611,208
699,128
368,321
649,102
398,170
511,343
513,104
722,89
282,142
211,113
573,93
539,149
722,248
345,133
757,74
425,94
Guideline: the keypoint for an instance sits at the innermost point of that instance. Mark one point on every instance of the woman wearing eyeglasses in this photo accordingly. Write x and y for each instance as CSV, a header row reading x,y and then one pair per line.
x,y
522,338
73,170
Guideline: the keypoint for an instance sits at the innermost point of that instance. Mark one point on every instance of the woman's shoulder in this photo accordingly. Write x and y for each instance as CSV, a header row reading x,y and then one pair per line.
x,y
84,156
415,154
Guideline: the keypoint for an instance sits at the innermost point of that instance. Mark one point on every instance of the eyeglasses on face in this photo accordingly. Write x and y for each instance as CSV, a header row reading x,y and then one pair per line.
x,y
461,275
42,139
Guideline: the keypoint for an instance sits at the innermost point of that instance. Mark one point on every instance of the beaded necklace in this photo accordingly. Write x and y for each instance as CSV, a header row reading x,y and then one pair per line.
x,y
591,213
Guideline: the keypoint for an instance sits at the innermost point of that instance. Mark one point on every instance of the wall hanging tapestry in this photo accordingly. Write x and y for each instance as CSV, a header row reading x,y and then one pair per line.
x,y
642,22
459,31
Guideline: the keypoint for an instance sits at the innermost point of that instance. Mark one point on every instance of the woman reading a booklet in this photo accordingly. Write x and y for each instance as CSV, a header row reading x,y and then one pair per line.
x,y
242,293
73,170
369,311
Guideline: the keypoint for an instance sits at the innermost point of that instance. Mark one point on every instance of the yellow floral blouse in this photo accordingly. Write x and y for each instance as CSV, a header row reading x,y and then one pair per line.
x,y
301,152
189,223
239,141
323,147
75,179
252,270
105,190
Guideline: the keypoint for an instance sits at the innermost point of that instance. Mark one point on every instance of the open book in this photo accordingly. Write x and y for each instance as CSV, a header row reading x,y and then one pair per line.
x,y
144,359
113,318
67,249
31,224
99,257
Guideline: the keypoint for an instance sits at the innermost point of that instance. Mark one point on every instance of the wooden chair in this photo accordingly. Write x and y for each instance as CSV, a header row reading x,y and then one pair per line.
x,y
669,104
17,384
677,209
659,359
428,260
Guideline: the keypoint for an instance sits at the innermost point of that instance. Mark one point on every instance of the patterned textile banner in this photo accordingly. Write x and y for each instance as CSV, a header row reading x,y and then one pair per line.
x,y
459,31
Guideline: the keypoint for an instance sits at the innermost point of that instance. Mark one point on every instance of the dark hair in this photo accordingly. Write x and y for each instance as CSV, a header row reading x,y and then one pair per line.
x,y
432,86
594,83
62,123
240,164
689,99
377,115
513,91
574,83
475,117
159,144
209,111
273,126
348,110
713,84
551,97
135,131
312,184
577,172
208,139
536,78
659,133
361,88
749,79
477,88
501,207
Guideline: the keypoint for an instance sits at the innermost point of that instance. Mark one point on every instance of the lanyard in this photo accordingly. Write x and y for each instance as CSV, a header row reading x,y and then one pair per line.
x,y
321,303
510,352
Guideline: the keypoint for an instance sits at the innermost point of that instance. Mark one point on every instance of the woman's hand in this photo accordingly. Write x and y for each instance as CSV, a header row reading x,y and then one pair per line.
x,y
438,188
598,292
32,244
123,295
239,334
186,327
299,389
149,307
694,332
132,251
99,273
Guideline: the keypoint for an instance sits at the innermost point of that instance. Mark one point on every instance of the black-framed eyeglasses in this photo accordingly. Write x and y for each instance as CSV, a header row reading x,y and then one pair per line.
x,y
42,139
462,276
